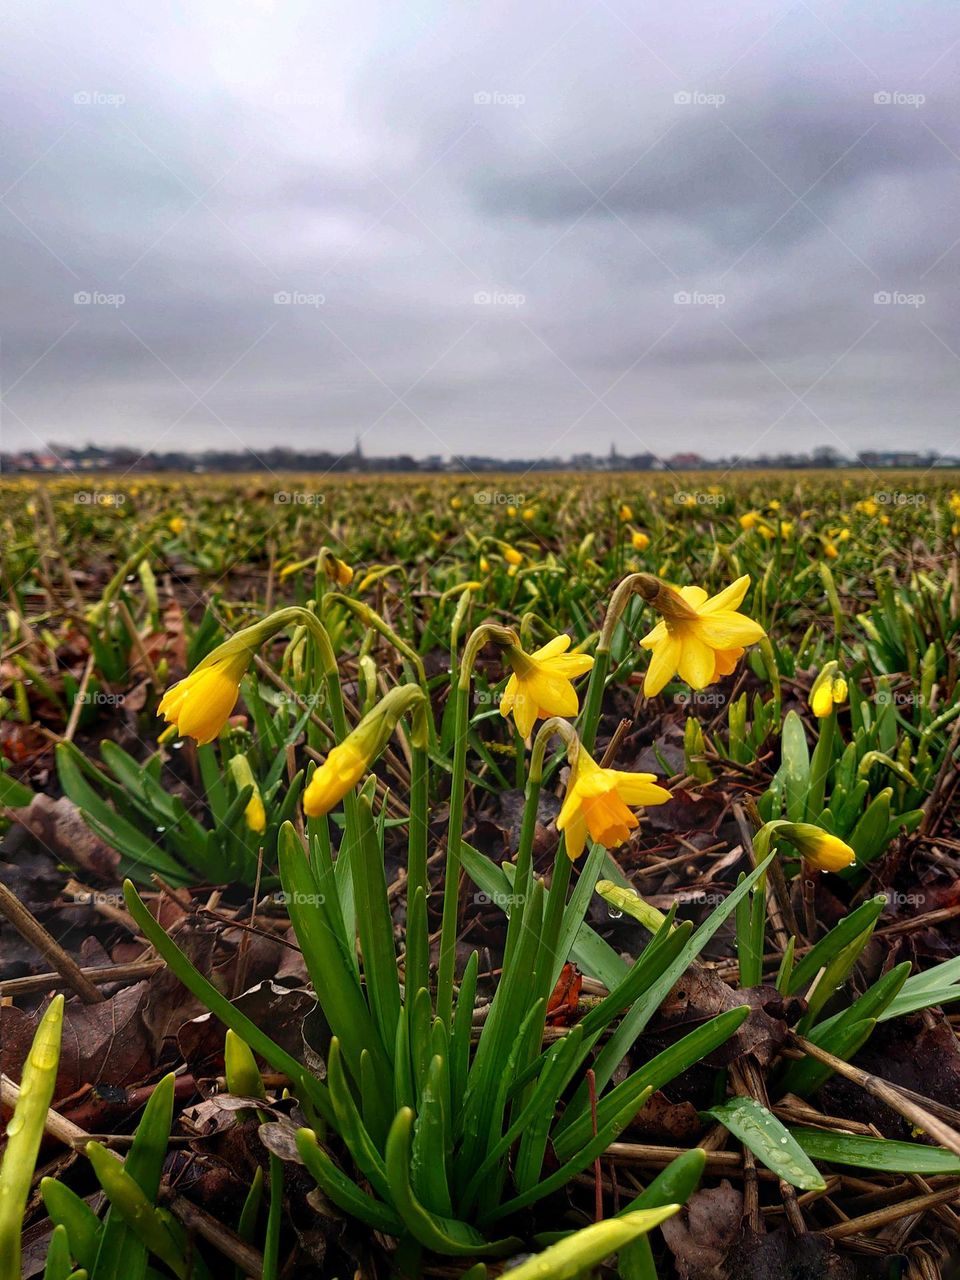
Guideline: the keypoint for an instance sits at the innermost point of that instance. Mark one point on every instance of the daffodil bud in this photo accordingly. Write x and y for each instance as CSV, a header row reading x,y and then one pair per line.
x,y
347,762
829,690
818,848
254,814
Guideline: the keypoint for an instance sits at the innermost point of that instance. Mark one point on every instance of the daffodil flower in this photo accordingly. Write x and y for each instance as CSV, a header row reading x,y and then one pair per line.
x,y
200,704
597,803
702,638
541,683
337,570
639,540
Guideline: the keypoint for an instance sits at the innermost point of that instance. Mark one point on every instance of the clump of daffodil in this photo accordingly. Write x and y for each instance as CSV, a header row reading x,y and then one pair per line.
x,y
867,507
597,803
639,540
254,814
702,638
351,759
541,684
829,690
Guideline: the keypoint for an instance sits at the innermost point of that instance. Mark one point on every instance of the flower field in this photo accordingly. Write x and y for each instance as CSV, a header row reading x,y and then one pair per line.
x,y
541,876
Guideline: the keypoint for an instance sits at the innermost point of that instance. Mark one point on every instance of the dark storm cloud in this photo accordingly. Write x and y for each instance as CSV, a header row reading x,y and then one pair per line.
x,y
519,229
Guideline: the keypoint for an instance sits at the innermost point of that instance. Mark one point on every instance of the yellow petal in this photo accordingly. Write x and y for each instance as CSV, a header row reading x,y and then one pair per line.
x,y
729,598
639,788
728,630
697,663
663,664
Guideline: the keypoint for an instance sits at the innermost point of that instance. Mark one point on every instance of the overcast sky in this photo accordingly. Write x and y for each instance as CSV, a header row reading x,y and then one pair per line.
x,y
471,227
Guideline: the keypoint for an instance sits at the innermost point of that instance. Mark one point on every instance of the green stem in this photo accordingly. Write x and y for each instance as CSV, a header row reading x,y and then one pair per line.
x,y
503,636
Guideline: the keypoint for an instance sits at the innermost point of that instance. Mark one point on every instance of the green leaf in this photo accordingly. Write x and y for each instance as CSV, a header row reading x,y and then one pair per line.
x,y
443,1235
344,1193
763,1134
882,1154
849,928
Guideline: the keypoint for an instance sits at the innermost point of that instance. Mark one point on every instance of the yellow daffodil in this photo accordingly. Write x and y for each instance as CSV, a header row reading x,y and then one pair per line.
x,y
597,803
347,762
700,637
529,513
340,772
337,570
176,525
750,520
484,564
626,514
200,704
818,848
867,507
830,551
541,683
639,540
512,555
829,690
511,512
456,503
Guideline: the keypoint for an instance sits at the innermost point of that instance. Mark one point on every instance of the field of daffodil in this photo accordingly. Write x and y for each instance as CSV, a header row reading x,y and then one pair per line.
x,y
541,876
